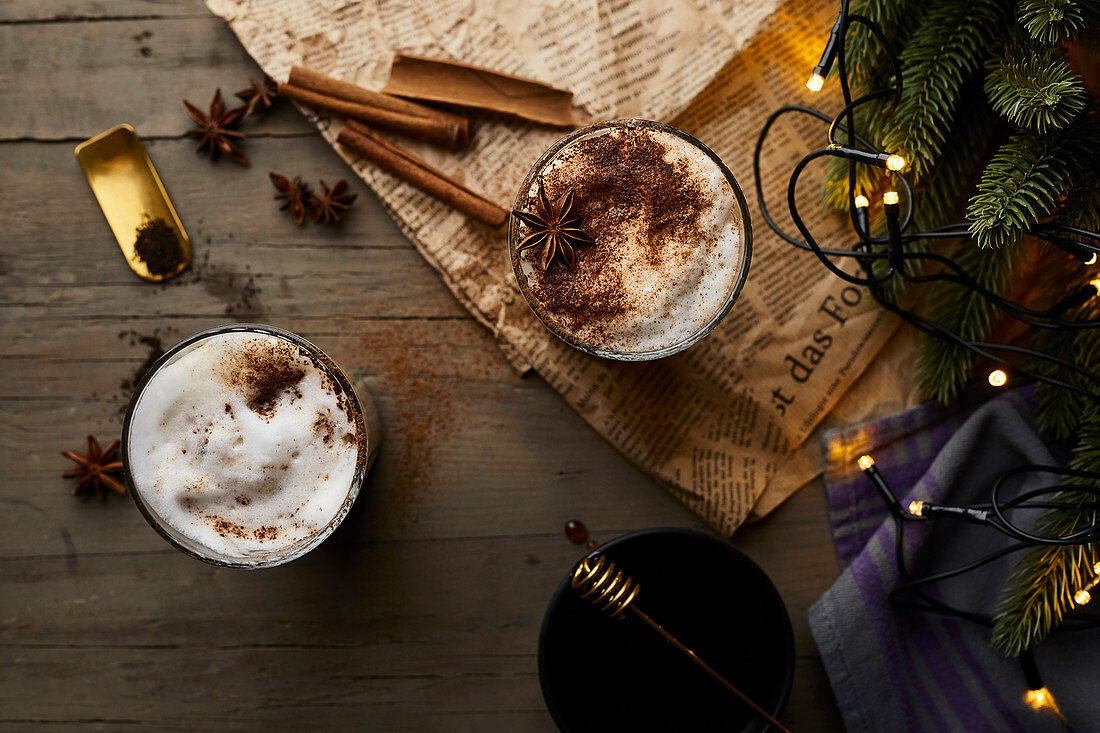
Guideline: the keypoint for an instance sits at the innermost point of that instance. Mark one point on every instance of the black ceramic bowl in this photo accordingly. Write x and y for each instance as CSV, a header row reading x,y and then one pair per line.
x,y
600,674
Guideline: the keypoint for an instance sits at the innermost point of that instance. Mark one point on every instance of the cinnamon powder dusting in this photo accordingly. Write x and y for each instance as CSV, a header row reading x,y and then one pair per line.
x,y
226,528
641,209
265,371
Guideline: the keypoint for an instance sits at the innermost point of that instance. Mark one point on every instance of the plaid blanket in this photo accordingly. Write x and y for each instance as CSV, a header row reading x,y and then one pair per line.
x,y
894,669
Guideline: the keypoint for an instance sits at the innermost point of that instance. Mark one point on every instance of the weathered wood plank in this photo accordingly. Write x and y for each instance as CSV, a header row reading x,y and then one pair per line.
x,y
75,11
69,81
230,204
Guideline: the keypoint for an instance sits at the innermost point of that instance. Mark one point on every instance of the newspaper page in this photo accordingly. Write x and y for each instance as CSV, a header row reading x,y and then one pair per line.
x,y
719,422
887,387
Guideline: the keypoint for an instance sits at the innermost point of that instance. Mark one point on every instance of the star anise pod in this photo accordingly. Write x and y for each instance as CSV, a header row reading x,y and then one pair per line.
x,y
332,203
555,230
259,96
217,129
94,469
295,195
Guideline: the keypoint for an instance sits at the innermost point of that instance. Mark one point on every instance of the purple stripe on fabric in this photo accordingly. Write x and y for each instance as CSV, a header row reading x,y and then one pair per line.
x,y
862,515
929,706
952,629
849,546
845,494
869,584
935,490
927,648
935,657
904,640
841,499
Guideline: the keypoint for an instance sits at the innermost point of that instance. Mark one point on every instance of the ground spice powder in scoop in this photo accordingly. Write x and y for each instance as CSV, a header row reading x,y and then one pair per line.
x,y
159,247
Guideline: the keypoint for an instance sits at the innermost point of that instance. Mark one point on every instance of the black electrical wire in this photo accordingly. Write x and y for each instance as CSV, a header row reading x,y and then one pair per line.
x,y
1048,318
999,513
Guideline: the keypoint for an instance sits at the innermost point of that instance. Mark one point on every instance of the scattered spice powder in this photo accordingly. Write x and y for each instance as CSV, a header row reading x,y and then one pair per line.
x,y
159,247
155,343
224,527
325,427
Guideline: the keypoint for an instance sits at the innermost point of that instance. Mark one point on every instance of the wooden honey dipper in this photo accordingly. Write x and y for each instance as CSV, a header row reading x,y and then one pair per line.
x,y
609,589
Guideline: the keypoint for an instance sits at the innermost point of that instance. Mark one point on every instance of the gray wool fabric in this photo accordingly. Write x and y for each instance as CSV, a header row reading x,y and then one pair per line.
x,y
895,669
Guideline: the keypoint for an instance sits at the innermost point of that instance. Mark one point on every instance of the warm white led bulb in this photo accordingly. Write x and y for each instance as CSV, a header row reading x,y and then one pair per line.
x,y
890,198
815,82
862,202
1038,699
1096,568
916,508
895,162
865,462
1095,283
1082,597
998,378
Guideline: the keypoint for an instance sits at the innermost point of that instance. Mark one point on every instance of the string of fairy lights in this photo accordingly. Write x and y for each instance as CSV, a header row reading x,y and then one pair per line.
x,y
1004,515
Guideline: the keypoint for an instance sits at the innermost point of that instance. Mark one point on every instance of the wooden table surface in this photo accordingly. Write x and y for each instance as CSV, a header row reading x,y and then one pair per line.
x,y
422,612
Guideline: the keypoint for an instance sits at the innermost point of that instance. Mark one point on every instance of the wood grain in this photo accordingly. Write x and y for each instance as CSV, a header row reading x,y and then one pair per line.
x,y
422,612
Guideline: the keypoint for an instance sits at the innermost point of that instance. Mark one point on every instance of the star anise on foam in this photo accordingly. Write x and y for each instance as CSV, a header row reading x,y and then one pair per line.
x,y
555,230
331,204
295,195
95,468
259,96
216,130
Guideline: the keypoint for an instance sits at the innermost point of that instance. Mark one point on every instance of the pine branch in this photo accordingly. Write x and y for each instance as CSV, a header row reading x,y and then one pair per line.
x,y
1057,413
1081,208
1025,180
864,57
1059,409
1040,590
944,52
972,136
938,198
943,367
1034,88
1050,21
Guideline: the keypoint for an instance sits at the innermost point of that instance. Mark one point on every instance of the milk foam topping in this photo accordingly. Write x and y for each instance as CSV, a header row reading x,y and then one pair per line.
x,y
668,234
244,444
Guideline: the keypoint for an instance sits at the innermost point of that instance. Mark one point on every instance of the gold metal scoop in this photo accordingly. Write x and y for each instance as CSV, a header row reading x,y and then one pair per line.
x,y
132,197
598,581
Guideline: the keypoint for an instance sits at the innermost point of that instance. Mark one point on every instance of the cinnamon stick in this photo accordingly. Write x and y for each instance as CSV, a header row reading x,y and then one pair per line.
x,y
411,169
327,85
439,132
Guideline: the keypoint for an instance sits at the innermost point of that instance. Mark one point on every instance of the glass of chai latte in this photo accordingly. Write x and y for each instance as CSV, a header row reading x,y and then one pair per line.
x,y
245,446
671,240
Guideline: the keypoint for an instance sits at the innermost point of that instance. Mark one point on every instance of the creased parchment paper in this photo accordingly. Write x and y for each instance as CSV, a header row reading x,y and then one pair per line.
x,y
723,421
